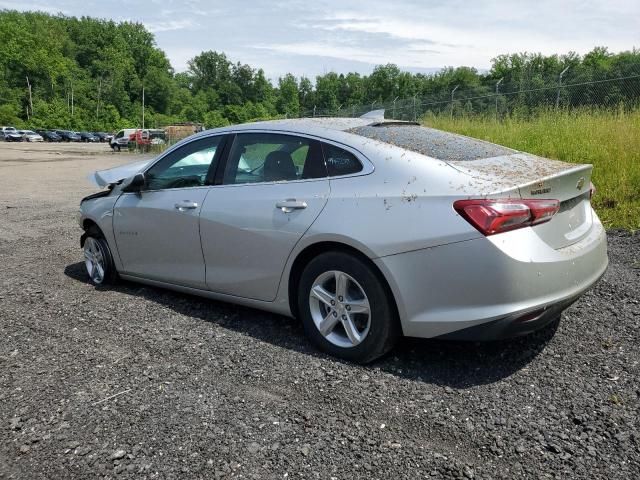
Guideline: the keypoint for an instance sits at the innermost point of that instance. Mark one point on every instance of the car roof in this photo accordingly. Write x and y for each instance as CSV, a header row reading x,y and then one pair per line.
x,y
331,128
409,136
301,125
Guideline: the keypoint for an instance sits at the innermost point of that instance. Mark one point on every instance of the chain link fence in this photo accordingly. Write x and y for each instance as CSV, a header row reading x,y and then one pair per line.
x,y
502,97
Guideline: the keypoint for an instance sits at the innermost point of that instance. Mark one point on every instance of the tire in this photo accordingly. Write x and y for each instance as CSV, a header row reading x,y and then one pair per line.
x,y
98,260
375,333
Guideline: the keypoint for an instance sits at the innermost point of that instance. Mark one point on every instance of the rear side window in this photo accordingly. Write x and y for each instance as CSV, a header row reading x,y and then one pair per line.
x,y
269,157
339,161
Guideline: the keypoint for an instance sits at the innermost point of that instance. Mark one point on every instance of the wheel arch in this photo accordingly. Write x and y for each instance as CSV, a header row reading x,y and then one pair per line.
x,y
311,251
90,226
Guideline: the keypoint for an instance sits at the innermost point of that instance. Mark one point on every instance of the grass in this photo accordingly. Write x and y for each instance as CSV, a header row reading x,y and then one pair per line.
x,y
608,140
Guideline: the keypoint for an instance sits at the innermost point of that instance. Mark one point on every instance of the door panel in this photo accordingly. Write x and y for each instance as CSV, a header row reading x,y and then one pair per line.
x,y
157,230
158,237
246,238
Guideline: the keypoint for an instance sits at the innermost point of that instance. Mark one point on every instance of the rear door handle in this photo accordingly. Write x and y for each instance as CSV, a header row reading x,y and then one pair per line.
x,y
291,204
186,205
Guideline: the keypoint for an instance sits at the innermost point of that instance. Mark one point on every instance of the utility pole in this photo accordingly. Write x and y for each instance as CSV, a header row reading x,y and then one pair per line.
x,y
143,107
452,92
98,102
415,114
559,86
314,110
497,93
30,99
394,107
71,81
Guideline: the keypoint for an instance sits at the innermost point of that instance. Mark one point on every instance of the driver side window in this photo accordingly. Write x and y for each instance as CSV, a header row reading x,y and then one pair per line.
x,y
188,166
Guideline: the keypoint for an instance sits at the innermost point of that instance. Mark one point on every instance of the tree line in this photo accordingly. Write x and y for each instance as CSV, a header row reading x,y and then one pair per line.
x,y
89,74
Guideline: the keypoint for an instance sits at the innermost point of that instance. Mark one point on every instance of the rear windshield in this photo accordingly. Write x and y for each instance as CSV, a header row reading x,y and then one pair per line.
x,y
433,143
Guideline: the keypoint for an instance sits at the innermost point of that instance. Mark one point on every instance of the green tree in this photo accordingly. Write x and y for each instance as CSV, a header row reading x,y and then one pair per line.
x,y
288,101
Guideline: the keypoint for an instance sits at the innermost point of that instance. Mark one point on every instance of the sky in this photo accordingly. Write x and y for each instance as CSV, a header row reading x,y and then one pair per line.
x,y
314,37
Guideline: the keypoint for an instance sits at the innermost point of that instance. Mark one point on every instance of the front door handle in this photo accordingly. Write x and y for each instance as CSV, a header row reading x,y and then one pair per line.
x,y
186,205
291,204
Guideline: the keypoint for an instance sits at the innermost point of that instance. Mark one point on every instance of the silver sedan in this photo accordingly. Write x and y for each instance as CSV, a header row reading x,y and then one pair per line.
x,y
365,229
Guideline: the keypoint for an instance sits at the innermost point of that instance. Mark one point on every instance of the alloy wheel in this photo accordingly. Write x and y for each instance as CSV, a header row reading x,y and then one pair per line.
x,y
94,260
340,309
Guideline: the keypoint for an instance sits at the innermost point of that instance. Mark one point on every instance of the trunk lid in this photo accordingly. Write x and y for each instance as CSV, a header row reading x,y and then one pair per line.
x,y
536,177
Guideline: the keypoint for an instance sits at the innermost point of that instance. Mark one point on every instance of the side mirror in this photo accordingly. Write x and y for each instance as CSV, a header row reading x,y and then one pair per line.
x,y
134,184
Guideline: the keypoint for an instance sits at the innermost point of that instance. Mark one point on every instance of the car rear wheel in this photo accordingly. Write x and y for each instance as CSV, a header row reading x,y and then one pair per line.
x,y
98,261
346,308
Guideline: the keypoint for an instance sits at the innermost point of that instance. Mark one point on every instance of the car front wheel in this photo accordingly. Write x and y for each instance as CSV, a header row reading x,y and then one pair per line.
x,y
98,261
346,308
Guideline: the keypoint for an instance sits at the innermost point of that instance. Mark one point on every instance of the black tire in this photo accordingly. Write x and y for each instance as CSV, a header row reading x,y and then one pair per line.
x,y
110,273
384,328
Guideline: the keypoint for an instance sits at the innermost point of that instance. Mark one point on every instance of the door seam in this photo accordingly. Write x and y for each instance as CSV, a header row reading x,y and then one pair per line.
x,y
200,237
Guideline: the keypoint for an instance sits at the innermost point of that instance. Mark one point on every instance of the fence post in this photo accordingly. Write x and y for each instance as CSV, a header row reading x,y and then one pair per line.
x,y
497,87
415,115
452,92
559,86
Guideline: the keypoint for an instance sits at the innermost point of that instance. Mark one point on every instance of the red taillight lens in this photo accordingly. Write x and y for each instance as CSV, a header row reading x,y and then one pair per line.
x,y
497,216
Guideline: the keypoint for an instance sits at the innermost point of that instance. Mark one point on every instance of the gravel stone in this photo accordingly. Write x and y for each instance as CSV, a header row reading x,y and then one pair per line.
x,y
205,381
118,454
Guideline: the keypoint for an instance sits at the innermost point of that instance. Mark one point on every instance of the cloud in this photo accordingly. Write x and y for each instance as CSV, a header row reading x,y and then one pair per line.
x,y
33,7
170,25
181,55
412,55
309,38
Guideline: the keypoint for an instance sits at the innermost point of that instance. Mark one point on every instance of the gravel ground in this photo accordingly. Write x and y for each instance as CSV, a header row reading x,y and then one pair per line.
x,y
139,382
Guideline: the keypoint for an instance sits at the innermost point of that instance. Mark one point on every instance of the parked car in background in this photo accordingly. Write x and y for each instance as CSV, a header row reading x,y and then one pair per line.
x,y
9,134
103,136
88,137
12,136
30,136
365,229
150,136
49,135
68,136
121,139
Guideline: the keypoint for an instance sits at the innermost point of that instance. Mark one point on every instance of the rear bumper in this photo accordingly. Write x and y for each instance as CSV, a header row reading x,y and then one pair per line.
x,y
513,325
488,287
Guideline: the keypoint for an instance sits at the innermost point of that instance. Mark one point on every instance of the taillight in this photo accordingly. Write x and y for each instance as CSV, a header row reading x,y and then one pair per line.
x,y
497,216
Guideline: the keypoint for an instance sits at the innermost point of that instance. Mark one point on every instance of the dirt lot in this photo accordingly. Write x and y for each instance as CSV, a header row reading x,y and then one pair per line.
x,y
139,382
